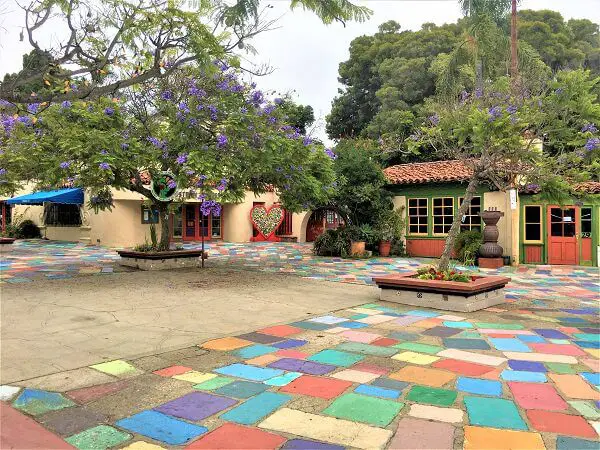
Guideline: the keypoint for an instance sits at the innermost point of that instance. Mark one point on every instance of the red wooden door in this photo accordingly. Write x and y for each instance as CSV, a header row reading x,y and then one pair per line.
x,y
563,227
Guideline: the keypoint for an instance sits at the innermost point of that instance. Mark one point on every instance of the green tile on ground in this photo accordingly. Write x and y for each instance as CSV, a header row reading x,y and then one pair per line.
x,y
494,412
366,349
499,326
213,383
336,358
432,396
116,368
421,348
98,438
361,408
561,368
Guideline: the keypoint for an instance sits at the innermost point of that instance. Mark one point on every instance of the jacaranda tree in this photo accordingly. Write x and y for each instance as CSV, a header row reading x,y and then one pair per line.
x,y
215,137
496,133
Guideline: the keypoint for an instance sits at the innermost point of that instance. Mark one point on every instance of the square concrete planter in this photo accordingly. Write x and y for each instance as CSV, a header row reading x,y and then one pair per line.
x,y
480,293
176,259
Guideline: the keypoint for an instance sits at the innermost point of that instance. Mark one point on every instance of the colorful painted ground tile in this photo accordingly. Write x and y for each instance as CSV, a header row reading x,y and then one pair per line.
x,y
586,409
299,365
249,372
281,330
233,436
429,412
117,368
415,358
375,391
416,433
462,367
259,338
356,376
431,396
494,412
573,386
303,444
161,427
241,389
527,366
481,438
316,387
195,406
509,345
100,437
420,348
328,320
423,375
253,351
89,394
213,383
365,409
284,379
390,384
366,349
257,408
479,386
466,344
8,392
569,443
173,370
289,343
36,402
560,423
519,375
537,396
336,358
226,344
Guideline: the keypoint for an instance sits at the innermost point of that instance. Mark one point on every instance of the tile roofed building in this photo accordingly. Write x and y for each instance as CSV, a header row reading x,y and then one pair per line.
x,y
589,187
428,172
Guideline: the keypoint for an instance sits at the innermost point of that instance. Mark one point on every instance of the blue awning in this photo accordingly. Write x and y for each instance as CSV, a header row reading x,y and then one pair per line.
x,y
72,196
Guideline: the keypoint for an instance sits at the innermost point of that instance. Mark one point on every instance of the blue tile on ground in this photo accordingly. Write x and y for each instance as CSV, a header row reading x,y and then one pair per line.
x,y
569,443
353,325
479,386
161,427
519,375
451,324
375,391
388,383
310,325
255,350
591,377
290,343
466,344
509,345
241,389
531,339
526,366
253,410
416,312
551,334
248,372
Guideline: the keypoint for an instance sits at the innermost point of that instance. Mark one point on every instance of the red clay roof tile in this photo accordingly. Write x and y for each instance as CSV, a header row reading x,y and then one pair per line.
x,y
428,172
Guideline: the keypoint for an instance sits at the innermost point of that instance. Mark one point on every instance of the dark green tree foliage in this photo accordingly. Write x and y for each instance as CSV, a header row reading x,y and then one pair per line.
x,y
298,116
360,194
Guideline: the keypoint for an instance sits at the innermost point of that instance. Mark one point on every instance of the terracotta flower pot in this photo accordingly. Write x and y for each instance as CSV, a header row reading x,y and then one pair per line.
x,y
357,248
384,248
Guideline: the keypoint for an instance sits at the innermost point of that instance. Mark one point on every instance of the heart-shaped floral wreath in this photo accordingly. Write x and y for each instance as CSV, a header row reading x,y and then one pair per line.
x,y
266,221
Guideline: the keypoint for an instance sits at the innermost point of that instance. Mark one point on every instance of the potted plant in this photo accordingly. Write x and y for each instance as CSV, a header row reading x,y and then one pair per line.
x,y
389,227
359,236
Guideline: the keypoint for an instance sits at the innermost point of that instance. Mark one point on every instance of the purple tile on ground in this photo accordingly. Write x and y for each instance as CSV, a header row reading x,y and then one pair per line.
x,y
260,338
551,334
590,330
407,320
527,366
299,365
442,331
290,343
303,444
196,406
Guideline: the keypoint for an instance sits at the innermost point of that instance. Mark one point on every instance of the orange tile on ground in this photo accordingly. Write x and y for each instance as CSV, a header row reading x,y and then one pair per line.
x,y
427,323
263,360
573,386
463,367
321,387
423,375
560,423
171,371
233,436
281,330
226,344
482,438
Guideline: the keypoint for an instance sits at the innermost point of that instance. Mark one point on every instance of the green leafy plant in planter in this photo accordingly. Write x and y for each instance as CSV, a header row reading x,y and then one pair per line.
x,y
467,245
390,226
431,273
333,243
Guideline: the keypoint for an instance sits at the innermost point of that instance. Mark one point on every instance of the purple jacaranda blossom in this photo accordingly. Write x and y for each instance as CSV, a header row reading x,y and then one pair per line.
x,y
222,185
182,158
464,95
184,108
25,120
278,101
202,197
269,109
243,110
8,123
272,120
434,119
213,111
5,103
166,95
66,104
478,93
512,109
330,153
209,207
104,152
124,145
257,98
589,127
236,88
104,166
592,144
221,141
193,122
172,184
33,108
559,91
223,66
223,85
494,112
2,171
286,187
157,142
190,172
532,187
65,164
278,169
109,111
307,141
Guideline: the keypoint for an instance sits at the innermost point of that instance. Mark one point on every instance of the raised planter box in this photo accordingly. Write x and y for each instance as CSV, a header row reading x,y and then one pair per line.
x,y
176,259
6,240
480,293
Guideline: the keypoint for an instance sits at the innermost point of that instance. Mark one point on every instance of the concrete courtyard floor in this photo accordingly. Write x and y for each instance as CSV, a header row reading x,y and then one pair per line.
x,y
236,356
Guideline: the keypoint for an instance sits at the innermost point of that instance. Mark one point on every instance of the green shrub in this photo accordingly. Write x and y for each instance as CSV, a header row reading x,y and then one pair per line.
x,y
389,225
27,229
333,243
398,248
466,246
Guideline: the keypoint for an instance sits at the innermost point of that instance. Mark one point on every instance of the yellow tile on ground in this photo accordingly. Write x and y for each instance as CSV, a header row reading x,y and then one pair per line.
x,y
225,344
262,360
423,375
117,368
482,438
595,352
141,445
415,358
195,376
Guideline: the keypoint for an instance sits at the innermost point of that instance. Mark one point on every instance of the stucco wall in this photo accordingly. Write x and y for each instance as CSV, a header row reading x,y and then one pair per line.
x,y
400,203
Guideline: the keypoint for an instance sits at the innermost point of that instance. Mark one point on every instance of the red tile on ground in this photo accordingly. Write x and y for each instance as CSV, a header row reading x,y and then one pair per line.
x,y
281,330
289,353
88,394
171,371
385,342
370,368
232,436
462,367
503,335
493,375
20,432
554,422
557,349
316,386
537,396
569,330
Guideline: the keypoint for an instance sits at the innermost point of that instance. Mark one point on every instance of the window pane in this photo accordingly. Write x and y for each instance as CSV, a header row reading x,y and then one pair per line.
x,y
532,214
448,201
556,215
586,222
437,210
423,211
533,232
414,228
423,229
569,229
586,213
215,226
412,202
448,211
556,229
476,201
438,229
437,202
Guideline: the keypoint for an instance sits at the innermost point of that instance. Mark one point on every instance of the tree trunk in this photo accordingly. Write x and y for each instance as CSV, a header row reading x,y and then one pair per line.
x,y
165,232
444,263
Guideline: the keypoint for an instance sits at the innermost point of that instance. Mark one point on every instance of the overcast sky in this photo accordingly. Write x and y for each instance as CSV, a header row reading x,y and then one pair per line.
x,y
305,53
